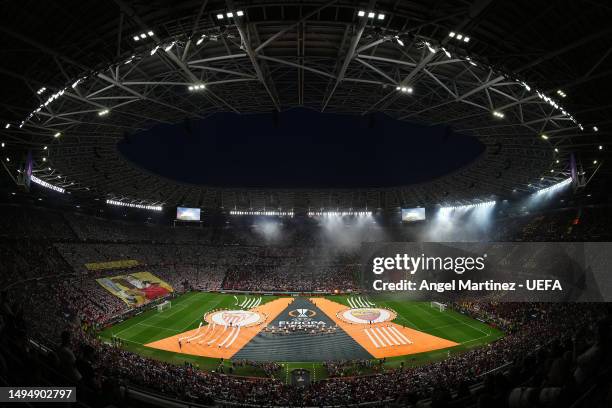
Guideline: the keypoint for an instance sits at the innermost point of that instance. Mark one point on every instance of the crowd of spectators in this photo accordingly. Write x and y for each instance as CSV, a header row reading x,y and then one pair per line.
x,y
292,278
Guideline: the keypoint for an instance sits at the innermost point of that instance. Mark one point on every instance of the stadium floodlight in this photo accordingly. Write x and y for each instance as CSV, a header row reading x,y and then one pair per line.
x,y
57,134
44,159
561,93
143,36
594,161
103,112
240,13
264,213
150,33
196,87
136,38
459,36
8,125
47,185
600,147
595,129
545,137
483,204
154,50
498,114
399,41
45,148
371,14
430,48
201,39
556,186
169,46
361,13
338,213
381,16
219,16
134,205
3,144
229,14
41,90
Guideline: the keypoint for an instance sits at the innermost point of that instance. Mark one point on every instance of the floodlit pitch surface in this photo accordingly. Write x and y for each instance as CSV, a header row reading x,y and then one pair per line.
x,y
434,334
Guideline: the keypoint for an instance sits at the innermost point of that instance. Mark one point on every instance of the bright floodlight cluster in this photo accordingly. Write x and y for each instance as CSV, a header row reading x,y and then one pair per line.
x,y
371,14
468,206
556,186
230,14
47,185
404,89
459,36
197,87
133,205
143,36
337,213
268,213
498,114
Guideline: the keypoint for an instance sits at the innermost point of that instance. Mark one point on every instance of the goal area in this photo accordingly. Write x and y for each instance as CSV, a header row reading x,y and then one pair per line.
x,y
164,306
437,305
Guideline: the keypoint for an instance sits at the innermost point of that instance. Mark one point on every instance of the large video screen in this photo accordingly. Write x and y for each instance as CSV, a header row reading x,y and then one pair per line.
x,y
413,214
187,214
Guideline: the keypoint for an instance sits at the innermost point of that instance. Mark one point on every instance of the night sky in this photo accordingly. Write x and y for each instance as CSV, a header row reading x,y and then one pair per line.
x,y
300,148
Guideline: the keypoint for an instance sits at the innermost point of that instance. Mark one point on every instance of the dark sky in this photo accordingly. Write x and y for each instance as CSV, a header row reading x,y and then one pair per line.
x,y
300,148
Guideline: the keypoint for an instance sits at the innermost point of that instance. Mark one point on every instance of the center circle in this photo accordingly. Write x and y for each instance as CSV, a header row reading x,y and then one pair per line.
x,y
234,318
366,315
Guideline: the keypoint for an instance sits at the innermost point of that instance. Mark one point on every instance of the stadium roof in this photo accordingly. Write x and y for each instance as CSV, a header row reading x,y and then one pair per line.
x,y
78,77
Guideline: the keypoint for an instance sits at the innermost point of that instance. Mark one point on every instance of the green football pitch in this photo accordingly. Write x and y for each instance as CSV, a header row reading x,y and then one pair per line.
x,y
187,311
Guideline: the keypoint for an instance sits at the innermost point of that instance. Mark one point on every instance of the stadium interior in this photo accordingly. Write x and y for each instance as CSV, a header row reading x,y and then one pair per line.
x,y
191,192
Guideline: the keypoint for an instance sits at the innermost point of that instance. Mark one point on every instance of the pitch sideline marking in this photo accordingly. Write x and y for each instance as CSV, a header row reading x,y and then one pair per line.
x,y
156,327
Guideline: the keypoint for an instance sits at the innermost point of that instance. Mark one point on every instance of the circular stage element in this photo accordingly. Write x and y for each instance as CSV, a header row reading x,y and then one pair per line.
x,y
366,315
234,318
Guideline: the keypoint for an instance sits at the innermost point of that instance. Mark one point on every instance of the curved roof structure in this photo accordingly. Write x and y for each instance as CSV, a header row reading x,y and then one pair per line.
x,y
122,69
